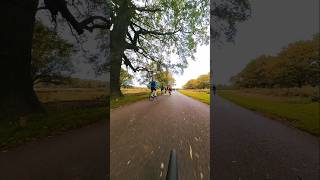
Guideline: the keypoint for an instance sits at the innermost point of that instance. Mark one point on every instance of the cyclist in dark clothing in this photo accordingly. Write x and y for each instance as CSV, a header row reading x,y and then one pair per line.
x,y
153,87
162,88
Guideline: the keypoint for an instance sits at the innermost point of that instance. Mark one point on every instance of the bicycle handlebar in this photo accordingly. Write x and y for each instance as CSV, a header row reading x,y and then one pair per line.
x,y
172,173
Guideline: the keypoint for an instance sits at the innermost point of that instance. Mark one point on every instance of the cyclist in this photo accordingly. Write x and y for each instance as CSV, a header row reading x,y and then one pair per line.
x,y
169,88
153,87
162,88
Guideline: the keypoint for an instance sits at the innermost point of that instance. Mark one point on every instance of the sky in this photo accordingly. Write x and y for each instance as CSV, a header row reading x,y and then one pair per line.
x,y
200,66
274,24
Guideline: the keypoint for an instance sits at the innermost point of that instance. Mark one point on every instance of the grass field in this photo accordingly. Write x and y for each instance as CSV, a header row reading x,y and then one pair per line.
x,y
202,95
71,94
66,109
299,111
130,96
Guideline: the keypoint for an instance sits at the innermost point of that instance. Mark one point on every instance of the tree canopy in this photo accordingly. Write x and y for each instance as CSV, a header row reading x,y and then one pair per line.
x,y
296,65
153,31
158,28
202,82
125,78
50,56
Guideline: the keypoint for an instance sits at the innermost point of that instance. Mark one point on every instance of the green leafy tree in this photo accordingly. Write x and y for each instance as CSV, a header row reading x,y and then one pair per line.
x,y
202,82
50,57
254,74
145,31
125,78
165,78
17,95
191,84
296,65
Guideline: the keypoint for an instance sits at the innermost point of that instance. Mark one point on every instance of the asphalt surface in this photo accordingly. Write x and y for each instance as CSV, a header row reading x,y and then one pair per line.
x,y
248,146
76,155
143,133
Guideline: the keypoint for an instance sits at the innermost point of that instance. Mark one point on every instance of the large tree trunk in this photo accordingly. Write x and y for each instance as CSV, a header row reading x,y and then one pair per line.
x,y
117,47
17,96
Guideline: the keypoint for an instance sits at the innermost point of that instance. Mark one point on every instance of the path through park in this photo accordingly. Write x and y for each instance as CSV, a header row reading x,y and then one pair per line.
x,y
76,155
143,133
246,146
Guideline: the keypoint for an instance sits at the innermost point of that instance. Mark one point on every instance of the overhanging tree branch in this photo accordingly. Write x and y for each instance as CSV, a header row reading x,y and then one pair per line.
x,y
148,9
55,6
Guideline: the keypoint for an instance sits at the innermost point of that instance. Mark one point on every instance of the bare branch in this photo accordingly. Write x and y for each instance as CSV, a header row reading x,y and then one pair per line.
x,y
155,32
133,47
127,62
55,6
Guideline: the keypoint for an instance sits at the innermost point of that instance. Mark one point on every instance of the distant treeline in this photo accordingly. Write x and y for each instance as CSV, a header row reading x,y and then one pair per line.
x,y
202,82
76,83
296,65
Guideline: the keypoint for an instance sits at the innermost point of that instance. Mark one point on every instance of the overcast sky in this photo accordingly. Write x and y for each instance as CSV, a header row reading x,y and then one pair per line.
x,y
274,24
200,66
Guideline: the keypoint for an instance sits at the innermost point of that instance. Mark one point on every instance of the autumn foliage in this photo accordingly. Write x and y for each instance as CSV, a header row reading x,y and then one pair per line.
x,y
296,65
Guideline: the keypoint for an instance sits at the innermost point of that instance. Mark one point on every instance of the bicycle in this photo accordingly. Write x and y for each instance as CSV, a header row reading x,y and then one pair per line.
x,y
172,173
153,96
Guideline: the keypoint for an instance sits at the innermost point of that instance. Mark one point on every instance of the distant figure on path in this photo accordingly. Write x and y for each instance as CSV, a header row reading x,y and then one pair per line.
x,y
162,88
214,89
169,89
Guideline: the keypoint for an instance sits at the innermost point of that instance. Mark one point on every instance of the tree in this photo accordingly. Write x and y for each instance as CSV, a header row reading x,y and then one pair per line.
x,y
300,60
125,78
50,57
255,73
191,84
202,82
153,30
296,65
17,95
165,78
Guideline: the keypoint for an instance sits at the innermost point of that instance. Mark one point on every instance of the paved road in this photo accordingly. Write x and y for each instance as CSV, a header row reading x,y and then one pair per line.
x,y
76,155
248,146
143,133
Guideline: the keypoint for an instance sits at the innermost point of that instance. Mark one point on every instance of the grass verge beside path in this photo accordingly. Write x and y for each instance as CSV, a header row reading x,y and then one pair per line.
x,y
300,113
53,122
64,112
201,95
127,99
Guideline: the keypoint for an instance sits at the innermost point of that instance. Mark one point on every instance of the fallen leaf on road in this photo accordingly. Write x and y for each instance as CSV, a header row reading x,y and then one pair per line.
x,y
162,166
190,151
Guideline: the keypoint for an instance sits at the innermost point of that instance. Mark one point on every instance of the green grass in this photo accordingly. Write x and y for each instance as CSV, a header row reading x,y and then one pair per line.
x,y
300,112
67,109
50,123
201,95
130,95
127,99
70,94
